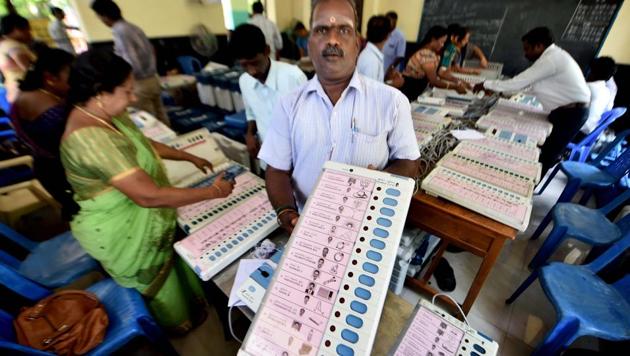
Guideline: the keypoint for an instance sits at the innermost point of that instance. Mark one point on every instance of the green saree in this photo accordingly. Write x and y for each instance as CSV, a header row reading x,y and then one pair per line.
x,y
133,244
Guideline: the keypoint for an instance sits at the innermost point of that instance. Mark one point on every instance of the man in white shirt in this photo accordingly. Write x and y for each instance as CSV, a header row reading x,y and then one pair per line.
x,y
370,62
264,82
558,83
339,115
394,49
269,29
58,30
602,98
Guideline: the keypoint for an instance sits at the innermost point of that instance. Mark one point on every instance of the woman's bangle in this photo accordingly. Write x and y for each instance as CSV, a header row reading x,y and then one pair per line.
x,y
284,211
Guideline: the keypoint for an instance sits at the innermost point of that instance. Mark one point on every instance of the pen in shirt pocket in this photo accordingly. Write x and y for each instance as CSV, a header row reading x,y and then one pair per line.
x,y
353,126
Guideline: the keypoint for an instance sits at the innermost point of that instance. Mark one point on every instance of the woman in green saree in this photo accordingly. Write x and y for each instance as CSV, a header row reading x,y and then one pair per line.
x,y
127,217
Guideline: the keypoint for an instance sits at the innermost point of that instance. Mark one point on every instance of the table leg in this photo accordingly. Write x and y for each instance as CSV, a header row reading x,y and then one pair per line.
x,y
485,268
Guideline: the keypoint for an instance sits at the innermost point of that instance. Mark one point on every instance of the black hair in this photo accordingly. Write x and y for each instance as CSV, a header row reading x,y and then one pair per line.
x,y
51,60
602,68
378,28
458,31
94,72
539,35
247,41
434,32
392,15
314,4
107,8
12,22
299,26
258,7
56,11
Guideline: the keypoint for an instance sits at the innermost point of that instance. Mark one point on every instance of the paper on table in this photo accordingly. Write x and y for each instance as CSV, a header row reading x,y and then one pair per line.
x,y
467,134
245,268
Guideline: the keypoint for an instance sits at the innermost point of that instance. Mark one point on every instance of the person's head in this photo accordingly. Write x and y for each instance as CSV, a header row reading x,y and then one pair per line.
x,y
250,50
300,30
103,78
58,13
258,8
334,42
393,18
434,39
50,72
458,35
16,27
107,11
602,68
536,41
378,29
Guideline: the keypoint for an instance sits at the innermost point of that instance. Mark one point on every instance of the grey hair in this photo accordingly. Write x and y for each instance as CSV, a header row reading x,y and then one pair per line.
x,y
314,4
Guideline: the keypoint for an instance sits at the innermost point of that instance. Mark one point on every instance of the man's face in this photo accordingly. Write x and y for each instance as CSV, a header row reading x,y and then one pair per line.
x,y
106,20
257,66
334,44
532,52
23,35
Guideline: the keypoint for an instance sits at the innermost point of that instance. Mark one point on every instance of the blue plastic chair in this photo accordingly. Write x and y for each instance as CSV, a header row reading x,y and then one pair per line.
x,y
581,150
585,304
588,176
584,224
190,65
52,263
128,316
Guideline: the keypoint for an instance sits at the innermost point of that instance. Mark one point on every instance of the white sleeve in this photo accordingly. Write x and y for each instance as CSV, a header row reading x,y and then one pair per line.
x,y
368,69
541,69
402,140
276,149
599,101
277,38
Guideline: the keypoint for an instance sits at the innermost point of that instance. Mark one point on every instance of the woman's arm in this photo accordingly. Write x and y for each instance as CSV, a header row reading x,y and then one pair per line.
x,y
167,152
142,190
439,82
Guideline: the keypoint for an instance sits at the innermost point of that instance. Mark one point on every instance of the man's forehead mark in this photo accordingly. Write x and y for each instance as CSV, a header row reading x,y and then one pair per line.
x,y
333,19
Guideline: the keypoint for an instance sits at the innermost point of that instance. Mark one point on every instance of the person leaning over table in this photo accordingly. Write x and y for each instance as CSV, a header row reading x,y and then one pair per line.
x,y
127,218
557,81
422,68
338,115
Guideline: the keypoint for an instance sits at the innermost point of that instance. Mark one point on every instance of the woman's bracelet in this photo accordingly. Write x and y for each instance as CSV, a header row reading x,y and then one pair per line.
x,y
284,211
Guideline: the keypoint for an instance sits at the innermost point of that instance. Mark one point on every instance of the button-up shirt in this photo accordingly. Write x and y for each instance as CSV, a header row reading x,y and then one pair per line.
x,y
270,30
369,124
555,79
394,48
59,33
601,101
132,45
260,98
370,63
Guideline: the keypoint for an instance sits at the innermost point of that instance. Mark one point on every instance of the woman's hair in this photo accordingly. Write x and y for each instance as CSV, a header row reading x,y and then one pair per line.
x,y
459,32
11,22
50,60
94,72
434,32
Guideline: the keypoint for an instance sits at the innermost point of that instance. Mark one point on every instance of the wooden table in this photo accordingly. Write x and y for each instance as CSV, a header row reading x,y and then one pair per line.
x,y
393,319
463,228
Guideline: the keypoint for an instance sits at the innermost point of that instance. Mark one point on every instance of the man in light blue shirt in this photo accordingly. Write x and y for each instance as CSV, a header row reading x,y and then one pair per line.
x,y
370,63
339,115
263,83
394,49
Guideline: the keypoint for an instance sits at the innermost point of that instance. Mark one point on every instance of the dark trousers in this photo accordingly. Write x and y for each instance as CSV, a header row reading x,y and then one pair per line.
x,y
566,124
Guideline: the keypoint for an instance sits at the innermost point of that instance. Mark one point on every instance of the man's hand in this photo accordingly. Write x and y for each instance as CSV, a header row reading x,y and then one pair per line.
x,y
395,79
253,145
461,88
201,164
478,87
288,220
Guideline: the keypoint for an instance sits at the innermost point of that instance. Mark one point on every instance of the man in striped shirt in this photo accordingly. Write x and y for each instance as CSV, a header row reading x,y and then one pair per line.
x,y
133,46
339,115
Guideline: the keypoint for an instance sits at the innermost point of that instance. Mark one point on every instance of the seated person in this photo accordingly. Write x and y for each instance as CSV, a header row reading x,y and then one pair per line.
x,y
470,51
128,217
264,82
39,117
458,37
301,38
422,68
370,62
602,98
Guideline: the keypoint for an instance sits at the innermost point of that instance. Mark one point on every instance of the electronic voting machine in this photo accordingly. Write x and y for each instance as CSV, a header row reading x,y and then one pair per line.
x,y
327,294
220,230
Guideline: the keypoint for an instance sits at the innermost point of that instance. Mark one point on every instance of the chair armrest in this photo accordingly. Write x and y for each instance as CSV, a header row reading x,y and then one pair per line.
x,y
18,161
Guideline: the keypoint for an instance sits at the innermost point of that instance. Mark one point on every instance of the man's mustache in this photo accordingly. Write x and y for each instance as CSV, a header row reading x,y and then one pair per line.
x,y
332,51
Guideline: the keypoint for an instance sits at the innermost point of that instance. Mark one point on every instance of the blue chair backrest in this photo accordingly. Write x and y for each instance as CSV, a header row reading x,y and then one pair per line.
x,y
621,165
190,65
623,286
614,251
17,238
607,119
6,326
4,103
21,285
613,204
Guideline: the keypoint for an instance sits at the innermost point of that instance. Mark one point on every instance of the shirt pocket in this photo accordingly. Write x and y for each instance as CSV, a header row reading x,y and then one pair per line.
x,y
370,149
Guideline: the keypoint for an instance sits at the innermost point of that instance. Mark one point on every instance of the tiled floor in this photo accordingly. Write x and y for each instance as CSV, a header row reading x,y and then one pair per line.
x,y
518,328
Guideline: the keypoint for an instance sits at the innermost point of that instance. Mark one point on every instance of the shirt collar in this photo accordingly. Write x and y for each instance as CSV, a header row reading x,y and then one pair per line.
x,y
371,47
552,47
315,85
271,80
